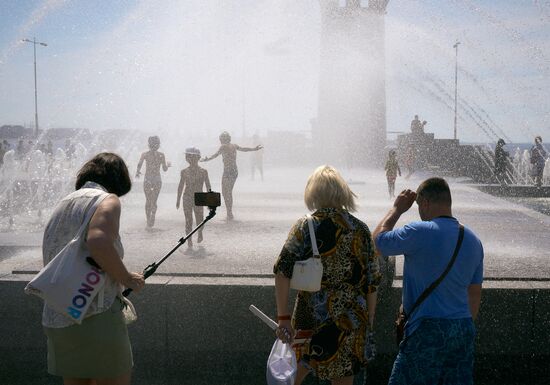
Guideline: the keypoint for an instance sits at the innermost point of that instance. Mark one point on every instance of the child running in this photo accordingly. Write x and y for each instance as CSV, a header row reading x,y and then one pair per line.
x,y
228,152
152,183
192,178
392,168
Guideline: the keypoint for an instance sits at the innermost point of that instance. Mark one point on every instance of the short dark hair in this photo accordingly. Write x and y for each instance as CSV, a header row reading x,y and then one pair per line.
x,y
435,190
154,142
225,138
108,170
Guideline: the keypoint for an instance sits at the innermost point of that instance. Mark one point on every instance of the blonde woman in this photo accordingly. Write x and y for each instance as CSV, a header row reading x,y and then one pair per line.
x,y
341,314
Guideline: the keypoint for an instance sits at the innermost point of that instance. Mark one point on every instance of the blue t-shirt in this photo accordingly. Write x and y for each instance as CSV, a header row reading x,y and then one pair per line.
x,y
428,247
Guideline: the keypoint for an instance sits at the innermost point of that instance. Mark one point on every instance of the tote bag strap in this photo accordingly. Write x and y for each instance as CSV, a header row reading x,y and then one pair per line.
x,y
312,236
90,210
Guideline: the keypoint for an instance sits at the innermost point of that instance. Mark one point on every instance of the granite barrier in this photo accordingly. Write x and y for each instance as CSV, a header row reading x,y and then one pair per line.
x,y
198,330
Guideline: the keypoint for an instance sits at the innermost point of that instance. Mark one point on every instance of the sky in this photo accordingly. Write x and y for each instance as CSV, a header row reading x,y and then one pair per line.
x,y
193,68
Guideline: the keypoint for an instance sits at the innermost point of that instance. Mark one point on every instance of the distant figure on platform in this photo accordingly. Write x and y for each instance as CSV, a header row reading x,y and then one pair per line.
x,y
546,173
257,158
3,150
152,182
192,178
538,158
6,146
392,169
409,160
501,161
228,152
417,127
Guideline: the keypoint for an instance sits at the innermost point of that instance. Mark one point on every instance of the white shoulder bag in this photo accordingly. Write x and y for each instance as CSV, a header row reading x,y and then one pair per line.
x,y
68,283
307,274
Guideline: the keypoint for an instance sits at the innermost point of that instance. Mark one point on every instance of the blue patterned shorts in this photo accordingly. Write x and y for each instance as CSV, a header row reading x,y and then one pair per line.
x,y
439,352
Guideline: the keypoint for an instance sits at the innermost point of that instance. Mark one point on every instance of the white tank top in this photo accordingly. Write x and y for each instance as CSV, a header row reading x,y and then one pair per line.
x,y
61,228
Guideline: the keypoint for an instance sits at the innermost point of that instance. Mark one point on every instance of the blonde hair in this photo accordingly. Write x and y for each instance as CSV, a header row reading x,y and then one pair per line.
x,y
326,188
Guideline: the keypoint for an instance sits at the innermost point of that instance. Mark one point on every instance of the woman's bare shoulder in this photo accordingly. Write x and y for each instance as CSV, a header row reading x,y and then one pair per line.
x,y
110,205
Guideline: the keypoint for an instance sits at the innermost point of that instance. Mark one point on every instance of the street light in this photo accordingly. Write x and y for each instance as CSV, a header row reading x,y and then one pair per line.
x,y
34,43
456,81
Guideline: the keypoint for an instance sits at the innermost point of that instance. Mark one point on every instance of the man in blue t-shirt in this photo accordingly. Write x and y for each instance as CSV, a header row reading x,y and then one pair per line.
x,y
438,347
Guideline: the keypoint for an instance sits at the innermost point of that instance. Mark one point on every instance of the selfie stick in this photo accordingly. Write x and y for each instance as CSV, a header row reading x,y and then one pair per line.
x,y
150,270
261,315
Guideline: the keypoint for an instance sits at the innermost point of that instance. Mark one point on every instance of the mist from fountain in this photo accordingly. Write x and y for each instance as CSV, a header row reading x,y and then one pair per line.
x,y
239,68
34,181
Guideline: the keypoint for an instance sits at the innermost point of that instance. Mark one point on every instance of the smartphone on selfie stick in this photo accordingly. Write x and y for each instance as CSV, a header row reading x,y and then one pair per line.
x,y
210,199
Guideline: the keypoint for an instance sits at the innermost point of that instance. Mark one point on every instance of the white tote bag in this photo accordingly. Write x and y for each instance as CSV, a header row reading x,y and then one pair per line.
x,y
307,275
68,283
281,364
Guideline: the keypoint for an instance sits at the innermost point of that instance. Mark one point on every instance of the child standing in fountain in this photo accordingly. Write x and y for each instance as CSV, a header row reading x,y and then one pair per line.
x,y
228,151
152,182
192,178
392,169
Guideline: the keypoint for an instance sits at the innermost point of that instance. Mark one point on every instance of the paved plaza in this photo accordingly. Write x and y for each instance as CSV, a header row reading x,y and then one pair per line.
x,y
515,238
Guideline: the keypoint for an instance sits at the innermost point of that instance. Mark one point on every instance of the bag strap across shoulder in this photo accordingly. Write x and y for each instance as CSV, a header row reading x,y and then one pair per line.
x,y
435,283
312,236
90,211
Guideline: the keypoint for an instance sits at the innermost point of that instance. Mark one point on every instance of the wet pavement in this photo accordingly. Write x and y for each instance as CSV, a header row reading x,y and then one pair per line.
x,y
515,238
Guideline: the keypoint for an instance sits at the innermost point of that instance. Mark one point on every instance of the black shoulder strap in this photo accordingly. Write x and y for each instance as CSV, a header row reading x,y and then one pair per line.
x,y
435,283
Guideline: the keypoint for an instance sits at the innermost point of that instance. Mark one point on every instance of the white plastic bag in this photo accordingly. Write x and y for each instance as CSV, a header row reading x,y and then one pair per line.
x,y
281,365
129,311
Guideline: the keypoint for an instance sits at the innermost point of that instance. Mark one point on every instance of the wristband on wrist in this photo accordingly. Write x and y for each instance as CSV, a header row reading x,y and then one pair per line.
x,y
283,317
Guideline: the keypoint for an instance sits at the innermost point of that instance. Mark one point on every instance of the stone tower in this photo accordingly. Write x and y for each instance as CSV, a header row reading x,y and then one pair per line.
x,y
350,129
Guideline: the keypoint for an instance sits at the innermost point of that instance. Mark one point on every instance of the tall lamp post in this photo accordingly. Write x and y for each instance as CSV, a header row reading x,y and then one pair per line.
x,y
34,43
456,81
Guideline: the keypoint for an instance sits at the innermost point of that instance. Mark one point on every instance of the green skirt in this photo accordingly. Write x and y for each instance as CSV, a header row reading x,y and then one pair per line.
x,y
98,348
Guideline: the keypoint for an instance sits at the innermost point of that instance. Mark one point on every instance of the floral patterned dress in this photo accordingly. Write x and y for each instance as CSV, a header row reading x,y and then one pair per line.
x,y
338,313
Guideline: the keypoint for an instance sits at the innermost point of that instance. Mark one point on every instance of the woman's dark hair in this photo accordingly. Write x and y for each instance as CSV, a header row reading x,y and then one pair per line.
x,y
108,170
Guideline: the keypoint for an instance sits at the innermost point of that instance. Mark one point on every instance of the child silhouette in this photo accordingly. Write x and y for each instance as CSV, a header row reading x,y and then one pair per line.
x,y
228,152
192,179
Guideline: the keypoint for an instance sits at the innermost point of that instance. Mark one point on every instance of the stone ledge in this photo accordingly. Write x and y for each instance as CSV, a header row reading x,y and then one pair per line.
x,y
193,330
